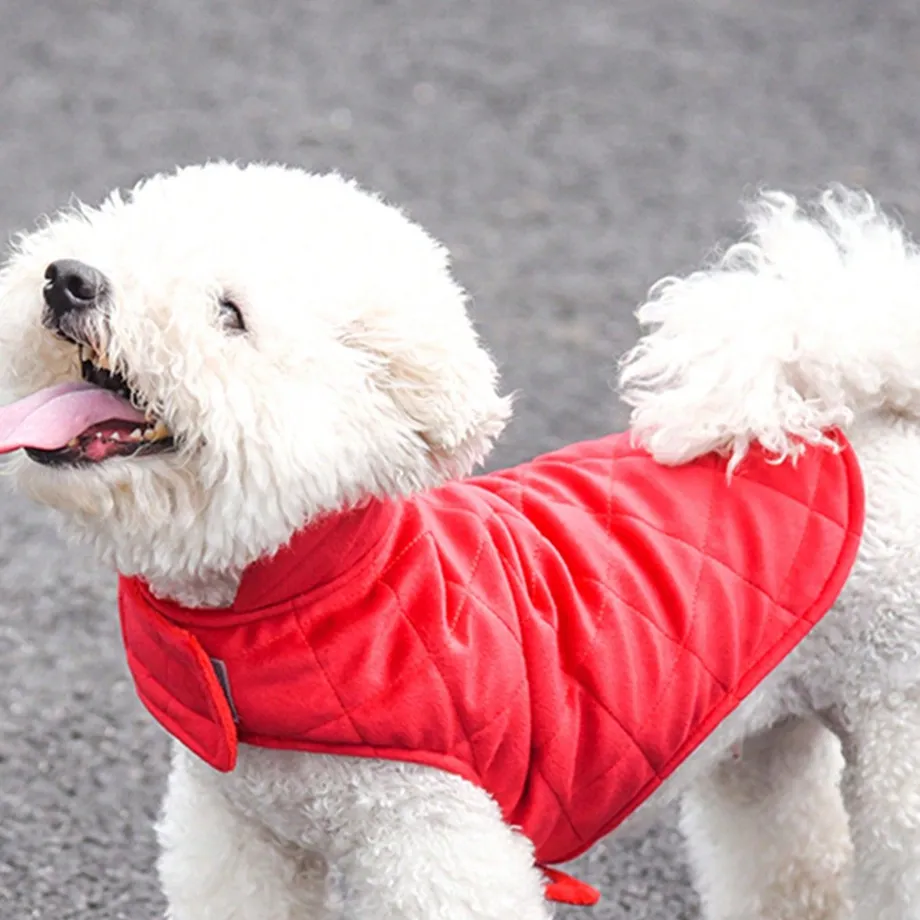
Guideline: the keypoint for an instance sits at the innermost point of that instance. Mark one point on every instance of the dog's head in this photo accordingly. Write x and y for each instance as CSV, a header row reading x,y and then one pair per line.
x,y
213,359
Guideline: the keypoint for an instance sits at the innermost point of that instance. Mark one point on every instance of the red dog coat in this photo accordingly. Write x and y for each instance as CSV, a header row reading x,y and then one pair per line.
x,y
563,634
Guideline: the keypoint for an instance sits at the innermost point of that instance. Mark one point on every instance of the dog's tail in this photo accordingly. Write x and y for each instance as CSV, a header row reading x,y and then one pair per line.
x,y
811,320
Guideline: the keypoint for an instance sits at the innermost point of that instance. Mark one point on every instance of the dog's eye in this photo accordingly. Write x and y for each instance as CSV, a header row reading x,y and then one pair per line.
x,y
231,317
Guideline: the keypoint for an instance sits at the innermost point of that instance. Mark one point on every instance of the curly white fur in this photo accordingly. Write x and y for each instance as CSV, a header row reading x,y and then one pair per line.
x,y
361,374
809,320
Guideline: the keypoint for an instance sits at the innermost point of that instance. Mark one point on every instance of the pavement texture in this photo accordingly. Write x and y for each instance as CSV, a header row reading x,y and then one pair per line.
x,y
568,153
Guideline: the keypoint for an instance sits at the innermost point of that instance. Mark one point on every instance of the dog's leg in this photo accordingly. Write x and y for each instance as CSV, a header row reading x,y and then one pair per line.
x,y
422,857
882,791
216,864
767,833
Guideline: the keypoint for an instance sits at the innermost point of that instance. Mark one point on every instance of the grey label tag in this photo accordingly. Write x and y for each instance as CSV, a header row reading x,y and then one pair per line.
x,y
220,669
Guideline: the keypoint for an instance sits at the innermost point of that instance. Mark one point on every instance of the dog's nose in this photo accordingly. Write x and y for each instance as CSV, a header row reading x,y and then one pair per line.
x,y
71,285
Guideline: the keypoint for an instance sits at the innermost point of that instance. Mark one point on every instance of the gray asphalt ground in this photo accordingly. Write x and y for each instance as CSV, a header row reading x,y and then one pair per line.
x,y
569,153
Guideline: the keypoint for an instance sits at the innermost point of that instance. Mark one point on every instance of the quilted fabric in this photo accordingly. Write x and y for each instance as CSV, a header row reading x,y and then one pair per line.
x,y
563,633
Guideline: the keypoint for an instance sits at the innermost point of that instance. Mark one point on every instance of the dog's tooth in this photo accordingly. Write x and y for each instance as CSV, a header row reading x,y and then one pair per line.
x,y
135,435
73,442
115,436
157,433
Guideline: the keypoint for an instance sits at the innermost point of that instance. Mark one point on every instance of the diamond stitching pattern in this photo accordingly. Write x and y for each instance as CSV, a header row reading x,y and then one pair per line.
x,y
515,496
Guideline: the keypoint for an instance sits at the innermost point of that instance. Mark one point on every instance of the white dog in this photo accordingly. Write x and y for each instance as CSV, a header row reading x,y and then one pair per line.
x,y
271,350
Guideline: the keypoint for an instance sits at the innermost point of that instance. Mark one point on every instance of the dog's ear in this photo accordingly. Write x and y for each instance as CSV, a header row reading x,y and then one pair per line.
x,y
444,387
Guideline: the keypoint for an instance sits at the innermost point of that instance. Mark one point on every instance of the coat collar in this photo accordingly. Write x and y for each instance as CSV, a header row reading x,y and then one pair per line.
x,y
318,560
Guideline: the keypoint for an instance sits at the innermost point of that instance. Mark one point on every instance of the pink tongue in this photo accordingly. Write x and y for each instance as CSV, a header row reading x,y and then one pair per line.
x,y
50,418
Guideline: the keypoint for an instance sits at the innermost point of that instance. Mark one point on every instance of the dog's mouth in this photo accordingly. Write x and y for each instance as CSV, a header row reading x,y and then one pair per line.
x,y
82,422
